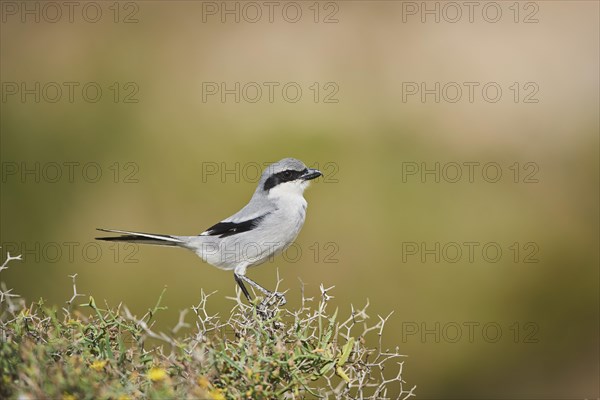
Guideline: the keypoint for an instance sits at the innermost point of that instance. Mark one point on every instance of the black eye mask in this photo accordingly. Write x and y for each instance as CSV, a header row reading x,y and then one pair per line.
x,y
281,177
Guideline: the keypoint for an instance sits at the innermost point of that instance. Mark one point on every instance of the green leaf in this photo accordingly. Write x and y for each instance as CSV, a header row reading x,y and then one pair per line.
x,y
346,350
340,372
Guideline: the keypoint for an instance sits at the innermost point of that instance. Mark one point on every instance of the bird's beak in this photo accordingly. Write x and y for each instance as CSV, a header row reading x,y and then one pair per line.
x,y
311,174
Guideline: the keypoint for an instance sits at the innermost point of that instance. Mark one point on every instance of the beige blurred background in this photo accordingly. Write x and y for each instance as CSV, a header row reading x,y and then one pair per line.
x,y
368,214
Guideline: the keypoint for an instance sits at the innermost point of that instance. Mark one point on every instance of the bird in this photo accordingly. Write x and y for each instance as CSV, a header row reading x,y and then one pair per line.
x,y
263,228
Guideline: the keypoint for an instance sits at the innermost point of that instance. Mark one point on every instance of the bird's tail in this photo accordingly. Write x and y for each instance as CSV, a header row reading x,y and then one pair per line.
x,y
142,238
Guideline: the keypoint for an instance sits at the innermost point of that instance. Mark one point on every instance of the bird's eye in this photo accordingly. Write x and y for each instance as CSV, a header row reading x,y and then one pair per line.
x,y
287,174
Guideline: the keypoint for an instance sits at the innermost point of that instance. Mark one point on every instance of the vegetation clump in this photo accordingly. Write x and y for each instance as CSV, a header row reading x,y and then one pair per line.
x,y
90,352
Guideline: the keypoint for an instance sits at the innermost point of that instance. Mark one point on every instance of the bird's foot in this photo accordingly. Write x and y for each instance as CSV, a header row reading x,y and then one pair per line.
x,y
268,307
273,299
280,297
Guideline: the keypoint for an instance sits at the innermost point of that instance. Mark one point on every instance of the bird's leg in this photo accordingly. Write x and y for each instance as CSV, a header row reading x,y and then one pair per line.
x,y
240,279
255,285
240,282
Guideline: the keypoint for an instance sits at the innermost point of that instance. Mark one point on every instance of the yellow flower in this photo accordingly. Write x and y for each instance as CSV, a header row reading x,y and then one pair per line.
x,y
216,394
67,396
157,374
203,382
98,365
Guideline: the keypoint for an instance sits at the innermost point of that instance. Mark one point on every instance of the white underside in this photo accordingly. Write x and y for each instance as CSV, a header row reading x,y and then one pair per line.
x,y
274,234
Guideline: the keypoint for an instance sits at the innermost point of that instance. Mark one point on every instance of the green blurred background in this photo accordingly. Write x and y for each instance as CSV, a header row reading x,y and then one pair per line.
x,y
367,212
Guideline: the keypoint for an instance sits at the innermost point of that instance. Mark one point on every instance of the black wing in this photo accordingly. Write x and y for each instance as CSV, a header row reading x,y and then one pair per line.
x,y
224,229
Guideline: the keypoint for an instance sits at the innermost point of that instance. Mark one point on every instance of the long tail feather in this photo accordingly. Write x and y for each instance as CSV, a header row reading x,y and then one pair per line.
x,y
140,237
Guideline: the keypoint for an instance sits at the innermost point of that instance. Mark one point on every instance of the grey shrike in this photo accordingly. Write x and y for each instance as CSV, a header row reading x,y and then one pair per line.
x,y
266,226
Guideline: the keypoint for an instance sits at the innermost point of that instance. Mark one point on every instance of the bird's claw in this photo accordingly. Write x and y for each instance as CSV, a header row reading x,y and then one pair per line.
x,y
281,297
269,306
274,299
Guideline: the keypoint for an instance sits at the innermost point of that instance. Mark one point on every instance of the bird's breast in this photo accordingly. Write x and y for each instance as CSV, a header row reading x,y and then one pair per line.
x,y
273,234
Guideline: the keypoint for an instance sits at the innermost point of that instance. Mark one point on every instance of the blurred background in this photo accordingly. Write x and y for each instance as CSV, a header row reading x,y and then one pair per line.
x,y
459,145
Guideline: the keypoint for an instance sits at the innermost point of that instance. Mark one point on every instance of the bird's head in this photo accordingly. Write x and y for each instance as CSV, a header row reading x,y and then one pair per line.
x,y
286,177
